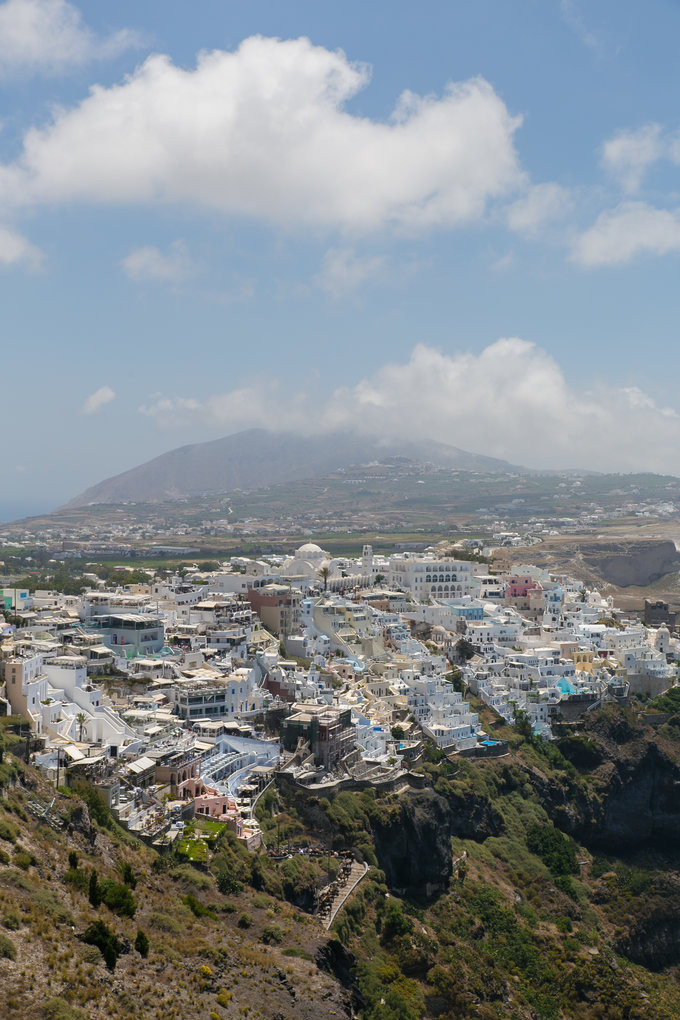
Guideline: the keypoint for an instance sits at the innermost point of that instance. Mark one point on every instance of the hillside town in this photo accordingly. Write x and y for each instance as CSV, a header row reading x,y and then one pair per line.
x,y
187,697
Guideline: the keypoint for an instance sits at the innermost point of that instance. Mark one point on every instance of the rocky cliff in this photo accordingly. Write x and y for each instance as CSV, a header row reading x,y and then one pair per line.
x,y
414,847
631,797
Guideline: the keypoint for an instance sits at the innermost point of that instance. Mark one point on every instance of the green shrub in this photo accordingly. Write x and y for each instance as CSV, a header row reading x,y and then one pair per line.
x,y
127,874
566,885
227,882
302,954
188,874
142,944
165,922
23,860
16,880
11,919
395,922
633,880
94,894
107,942
117,898
197,908
273,933
77,878
7,948
600,867
59,1009
4,857
97,806
556,850
51,905
7,831
72,860
244,920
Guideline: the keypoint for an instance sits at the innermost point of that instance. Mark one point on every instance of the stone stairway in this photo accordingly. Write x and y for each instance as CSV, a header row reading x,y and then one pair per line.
x,y
356,873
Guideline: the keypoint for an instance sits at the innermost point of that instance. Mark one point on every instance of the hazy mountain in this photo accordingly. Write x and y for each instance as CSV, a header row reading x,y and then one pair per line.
x,y
256,457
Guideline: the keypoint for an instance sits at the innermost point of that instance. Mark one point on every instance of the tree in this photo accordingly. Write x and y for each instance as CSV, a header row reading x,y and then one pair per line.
x,y
81,719
142,943
464,650
117,897
324,574
94,894
523,725
109,945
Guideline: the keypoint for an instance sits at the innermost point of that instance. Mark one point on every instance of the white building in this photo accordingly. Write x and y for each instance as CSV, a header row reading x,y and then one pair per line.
x,y
426,577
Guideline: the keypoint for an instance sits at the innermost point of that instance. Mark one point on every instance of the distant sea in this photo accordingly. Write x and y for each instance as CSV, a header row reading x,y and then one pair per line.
x,y
13,511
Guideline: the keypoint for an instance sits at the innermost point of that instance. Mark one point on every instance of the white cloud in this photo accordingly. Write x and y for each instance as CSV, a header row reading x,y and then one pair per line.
x,y
629,153
49,37
149,263
264,131
100,398
169,411
541,203
573,18
511,400
343,271
17,250
628,230
503,263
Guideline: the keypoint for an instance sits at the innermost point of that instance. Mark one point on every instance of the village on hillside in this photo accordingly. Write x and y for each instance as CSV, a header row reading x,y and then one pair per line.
x,y
183,699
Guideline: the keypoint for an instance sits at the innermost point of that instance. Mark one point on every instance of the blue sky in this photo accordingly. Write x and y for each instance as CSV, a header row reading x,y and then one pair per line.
x,y
458,221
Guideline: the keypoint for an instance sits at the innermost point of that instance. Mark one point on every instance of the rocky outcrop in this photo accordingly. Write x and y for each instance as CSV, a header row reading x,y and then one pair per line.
x,y
414,847
633,563
414,850
625,563
653,940
630,801
472,816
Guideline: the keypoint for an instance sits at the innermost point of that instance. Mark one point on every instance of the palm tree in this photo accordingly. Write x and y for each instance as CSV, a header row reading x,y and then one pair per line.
x,y
81,719
324,574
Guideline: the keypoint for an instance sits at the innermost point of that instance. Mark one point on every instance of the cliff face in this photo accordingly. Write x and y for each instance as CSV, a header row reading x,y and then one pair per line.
x,y
631,800
633,563
653,939
625,563
414,848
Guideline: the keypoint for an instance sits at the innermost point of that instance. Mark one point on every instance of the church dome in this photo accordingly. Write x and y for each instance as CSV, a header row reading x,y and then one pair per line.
x,y
310,552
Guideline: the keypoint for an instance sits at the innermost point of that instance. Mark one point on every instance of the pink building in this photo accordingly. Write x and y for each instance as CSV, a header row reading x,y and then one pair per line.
x,y
519,587
222,808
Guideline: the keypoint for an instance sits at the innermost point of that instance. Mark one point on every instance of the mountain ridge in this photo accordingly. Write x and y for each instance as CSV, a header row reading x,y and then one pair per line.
x,y
257,457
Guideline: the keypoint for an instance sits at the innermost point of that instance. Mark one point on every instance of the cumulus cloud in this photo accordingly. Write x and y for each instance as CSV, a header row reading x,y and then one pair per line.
x,y
511,401
343,271
49,37
264,131
100,398
151,264
542,202
630,229
17,250
630,152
